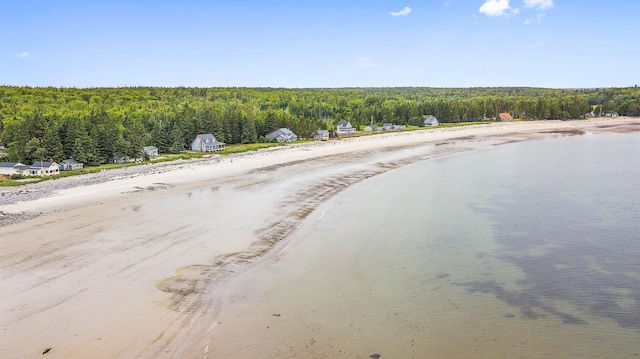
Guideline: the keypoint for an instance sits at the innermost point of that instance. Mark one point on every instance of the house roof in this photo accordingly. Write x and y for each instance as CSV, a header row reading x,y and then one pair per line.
x,y
323,132
208,139
8,164
150,148
280,131
505,116
70,161
42,164
344,124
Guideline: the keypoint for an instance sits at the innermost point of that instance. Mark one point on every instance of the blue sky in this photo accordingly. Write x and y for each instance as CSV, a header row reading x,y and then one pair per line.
x,y
312,43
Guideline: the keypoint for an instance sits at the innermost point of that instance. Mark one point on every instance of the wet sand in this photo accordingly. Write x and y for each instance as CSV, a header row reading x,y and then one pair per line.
x,y
132,267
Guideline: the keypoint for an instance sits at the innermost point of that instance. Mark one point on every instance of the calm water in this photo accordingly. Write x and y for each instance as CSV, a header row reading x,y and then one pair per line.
x,y
523,250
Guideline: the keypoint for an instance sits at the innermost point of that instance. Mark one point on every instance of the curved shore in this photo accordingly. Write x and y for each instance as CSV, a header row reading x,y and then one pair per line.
x,y
128,260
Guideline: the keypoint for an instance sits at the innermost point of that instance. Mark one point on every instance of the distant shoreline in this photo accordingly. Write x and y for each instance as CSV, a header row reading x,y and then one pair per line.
x,y
30,192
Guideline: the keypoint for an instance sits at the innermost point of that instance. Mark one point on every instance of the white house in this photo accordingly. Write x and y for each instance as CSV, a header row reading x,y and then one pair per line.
x,y
345,128
282,135
150,150
206,143
70,165
430,120
43,168
9,168
322,135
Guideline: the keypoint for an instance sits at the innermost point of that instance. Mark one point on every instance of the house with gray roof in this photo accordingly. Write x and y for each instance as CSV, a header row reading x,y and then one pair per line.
x,y
282,135
70,165
206,143
345,128
321,135
10,168
430,120
121,158
43,168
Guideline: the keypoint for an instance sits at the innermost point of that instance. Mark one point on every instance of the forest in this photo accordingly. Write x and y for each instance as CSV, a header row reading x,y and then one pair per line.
x,y
92,125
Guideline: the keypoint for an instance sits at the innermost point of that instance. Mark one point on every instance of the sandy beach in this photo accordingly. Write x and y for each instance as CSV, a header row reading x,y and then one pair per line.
x,y
129,264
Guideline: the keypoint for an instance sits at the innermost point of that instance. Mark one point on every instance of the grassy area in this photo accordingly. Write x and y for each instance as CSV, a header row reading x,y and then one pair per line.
x,y
237,148
6,181
459,124
416,128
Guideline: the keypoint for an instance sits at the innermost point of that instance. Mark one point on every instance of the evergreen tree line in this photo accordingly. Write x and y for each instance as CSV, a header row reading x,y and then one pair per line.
x,y
94,124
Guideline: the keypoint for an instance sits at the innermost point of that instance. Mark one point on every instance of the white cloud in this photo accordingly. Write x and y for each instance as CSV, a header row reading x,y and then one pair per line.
x,y
23,55
495,8
539,4
403,12
364,62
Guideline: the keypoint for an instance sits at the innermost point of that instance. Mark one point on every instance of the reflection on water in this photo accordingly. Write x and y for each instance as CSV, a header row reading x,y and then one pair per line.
x,y
583,209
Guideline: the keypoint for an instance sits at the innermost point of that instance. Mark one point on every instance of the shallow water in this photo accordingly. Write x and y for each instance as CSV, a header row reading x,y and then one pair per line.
x,y
525,250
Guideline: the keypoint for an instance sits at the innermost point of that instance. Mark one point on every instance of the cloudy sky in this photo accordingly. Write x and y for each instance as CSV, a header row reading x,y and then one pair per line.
x,y
314,43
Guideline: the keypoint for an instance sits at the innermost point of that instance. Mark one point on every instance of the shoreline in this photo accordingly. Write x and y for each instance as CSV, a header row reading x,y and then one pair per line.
x,y
150,248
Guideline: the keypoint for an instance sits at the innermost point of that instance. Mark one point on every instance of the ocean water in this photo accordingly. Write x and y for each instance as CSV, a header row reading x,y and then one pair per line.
x,y
525,250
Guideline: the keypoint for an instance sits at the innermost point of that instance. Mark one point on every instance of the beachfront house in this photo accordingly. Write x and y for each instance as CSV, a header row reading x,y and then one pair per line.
x,y
70,165
321,135
371,128
505,116
43,168
430,120
206,143
282,135
10,168
345,128
150,150
387,126
121,159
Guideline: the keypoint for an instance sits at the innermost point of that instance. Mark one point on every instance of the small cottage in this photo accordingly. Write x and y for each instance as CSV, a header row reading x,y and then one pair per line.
x,y
505,116
121,159
150,150
430,120
206,143
321,135
282,135
10,168
70,165
44,168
